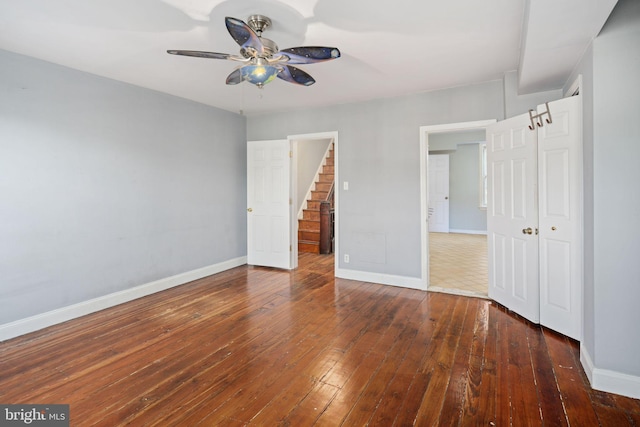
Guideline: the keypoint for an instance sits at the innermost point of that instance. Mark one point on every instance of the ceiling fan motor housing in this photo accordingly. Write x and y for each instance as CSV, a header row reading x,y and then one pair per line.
x,y
259,23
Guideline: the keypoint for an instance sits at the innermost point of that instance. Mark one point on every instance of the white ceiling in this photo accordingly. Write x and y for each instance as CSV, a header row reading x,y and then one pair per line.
x,y
389,48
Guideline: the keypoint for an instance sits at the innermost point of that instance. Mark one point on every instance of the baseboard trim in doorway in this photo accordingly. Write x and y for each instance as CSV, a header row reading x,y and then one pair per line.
x,y
53,317
454,291
382,279
454,230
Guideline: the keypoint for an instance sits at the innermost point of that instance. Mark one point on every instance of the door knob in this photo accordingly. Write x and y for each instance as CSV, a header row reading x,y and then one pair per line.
x,y
527,230
446,198
249,210
553,229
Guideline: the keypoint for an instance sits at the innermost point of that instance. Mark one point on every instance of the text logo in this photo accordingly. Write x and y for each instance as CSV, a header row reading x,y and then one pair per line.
x,y
34,415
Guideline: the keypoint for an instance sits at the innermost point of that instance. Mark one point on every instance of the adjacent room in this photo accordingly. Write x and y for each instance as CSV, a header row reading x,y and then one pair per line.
x,y
292,212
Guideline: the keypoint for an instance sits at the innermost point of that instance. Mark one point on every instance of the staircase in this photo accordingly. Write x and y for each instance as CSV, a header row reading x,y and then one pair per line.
x,y
309,225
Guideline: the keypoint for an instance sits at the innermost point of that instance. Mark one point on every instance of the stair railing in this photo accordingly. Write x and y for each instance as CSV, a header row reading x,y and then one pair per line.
x,y
327,218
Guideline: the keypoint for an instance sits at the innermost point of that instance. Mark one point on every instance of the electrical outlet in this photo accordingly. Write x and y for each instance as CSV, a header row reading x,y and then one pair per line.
x,y
345,185
346,258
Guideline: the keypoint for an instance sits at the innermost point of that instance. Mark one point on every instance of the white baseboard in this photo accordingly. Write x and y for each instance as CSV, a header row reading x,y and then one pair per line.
x,y
43,320
609,381
455,230
383,279
453,291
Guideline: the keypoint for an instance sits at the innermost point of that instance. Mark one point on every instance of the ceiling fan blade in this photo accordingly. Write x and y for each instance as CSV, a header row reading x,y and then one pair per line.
x,y
235,77
244,36
295,75
200,54
310,54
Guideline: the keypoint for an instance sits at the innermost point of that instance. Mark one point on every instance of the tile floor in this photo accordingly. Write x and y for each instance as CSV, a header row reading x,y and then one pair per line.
x,y
458,263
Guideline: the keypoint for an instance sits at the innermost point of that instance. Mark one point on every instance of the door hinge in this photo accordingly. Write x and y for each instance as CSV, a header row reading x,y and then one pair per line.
x,y
290,201
290,248
291,154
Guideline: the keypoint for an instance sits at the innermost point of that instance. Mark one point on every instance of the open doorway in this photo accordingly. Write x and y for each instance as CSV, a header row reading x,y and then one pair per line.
x,y
309,152
454,259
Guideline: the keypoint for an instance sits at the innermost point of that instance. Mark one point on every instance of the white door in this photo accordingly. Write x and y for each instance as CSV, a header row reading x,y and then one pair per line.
x,y
268,203
512,216
560,217
439,193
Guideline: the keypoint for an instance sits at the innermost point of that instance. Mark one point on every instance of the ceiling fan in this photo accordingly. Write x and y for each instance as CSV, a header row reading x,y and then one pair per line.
x,y
260,57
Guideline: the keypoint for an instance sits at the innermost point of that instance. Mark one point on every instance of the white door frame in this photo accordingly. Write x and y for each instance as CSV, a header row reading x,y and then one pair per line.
x,y
424,188
293,139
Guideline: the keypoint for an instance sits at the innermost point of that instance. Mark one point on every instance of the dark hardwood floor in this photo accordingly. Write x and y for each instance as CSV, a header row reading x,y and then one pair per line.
x,y
258,346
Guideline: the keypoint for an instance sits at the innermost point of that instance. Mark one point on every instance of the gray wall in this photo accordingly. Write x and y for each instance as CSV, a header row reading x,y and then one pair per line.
x,y
379,155
616,196
464,171
450,140
464,207
516,104
310,155
105,186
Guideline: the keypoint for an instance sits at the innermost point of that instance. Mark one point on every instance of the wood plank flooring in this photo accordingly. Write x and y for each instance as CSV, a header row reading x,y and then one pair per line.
x,y
258,346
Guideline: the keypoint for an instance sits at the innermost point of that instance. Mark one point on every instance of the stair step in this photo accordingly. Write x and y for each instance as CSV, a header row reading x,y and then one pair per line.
x,y
313,205
330,161
307,225
326,177
310,214
323,186
309,247
328,169
319,195
309,236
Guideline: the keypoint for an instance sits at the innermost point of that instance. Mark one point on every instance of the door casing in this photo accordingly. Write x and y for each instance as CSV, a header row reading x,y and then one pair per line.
x,y
425,131
294,140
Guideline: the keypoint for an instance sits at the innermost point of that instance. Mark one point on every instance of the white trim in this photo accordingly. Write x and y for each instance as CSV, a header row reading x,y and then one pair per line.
x,y
575,88
482,174
381,278
424,193
49,318
609,381
468,231
454,291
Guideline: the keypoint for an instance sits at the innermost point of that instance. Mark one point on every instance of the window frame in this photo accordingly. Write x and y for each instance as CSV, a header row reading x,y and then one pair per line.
x,y
482,175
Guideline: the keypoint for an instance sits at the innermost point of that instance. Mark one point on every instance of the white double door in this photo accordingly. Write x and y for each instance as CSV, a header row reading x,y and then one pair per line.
x,y
534,216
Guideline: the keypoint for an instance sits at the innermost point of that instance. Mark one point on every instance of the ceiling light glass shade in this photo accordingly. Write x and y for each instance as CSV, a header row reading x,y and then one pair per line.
x,y
259,74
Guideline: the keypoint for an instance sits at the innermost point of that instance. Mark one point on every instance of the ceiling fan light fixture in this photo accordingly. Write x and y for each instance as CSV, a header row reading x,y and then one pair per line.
x,y
259,73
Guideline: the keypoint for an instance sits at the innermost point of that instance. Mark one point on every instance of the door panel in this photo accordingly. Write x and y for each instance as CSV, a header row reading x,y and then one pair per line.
x,y
560,223
512,210
497,247
268,207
